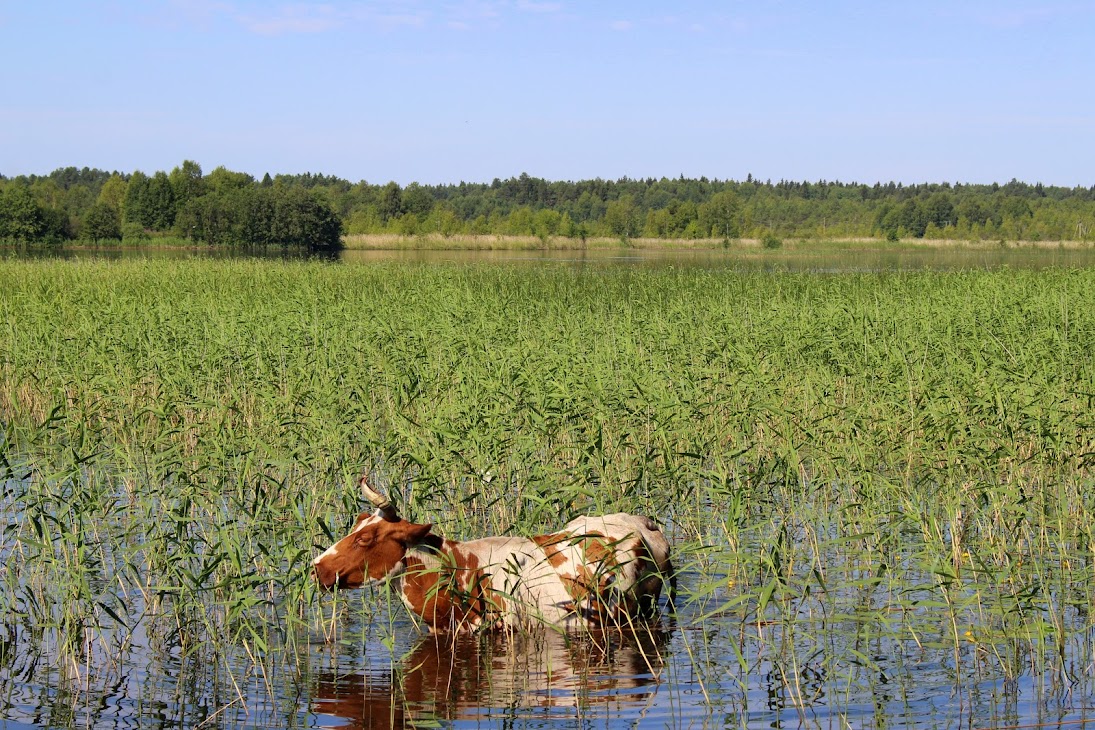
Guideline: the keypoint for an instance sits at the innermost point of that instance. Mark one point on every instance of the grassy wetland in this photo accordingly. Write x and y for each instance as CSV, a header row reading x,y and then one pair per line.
x,y
879,489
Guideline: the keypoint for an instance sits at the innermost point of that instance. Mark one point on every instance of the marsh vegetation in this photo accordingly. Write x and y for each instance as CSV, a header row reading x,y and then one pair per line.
x,y
878,487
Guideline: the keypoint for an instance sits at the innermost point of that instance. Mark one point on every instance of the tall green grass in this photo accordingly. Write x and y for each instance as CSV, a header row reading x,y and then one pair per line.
x,y
903,455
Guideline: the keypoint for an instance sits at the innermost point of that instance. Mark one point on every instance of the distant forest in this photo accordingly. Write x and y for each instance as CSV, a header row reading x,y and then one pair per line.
x,y
315,210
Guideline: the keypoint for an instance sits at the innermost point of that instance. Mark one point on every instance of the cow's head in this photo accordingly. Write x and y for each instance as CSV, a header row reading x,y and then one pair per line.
x,y
373,550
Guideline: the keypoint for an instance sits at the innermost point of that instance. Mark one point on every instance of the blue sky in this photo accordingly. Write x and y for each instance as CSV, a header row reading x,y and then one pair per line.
x,y
440,92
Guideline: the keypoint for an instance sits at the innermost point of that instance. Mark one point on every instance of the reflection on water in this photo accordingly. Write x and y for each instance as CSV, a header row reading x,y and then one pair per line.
x,y
830,260
500,678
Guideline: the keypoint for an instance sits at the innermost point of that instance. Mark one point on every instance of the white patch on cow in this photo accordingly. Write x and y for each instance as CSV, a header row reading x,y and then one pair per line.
x,y
329,552
396,571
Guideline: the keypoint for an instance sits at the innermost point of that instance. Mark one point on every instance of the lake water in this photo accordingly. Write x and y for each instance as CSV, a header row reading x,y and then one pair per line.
x,y
873,258
862,653
376,670
866,259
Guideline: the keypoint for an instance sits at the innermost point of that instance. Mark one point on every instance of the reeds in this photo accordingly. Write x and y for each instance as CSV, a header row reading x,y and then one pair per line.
x,y
860,463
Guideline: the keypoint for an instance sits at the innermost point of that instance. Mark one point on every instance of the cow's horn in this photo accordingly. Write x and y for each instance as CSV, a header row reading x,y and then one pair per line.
x,y
383,504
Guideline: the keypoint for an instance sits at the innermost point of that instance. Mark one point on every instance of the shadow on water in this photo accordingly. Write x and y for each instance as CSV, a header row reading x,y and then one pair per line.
x,y
500,680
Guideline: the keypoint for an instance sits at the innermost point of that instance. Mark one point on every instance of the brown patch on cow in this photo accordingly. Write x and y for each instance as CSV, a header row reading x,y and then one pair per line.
x,y
423,593
586,592
598,549
599,563
470,579
547,543
585,584
450,595
597,578
576,588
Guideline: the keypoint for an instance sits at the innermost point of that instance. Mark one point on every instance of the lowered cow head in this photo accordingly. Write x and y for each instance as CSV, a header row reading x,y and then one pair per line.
x,y
373,550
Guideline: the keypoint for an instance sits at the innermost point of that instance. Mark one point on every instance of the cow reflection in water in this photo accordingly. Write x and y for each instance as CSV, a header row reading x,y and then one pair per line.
x,y
465,677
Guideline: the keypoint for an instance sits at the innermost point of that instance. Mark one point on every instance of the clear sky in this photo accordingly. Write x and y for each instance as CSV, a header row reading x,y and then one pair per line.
x,y
439,92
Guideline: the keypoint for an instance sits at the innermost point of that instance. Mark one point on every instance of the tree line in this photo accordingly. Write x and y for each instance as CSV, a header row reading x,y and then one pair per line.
x,y
221,208
314,210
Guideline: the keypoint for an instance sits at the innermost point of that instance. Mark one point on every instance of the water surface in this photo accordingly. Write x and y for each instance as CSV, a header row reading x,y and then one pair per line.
x,y
835,662
835,259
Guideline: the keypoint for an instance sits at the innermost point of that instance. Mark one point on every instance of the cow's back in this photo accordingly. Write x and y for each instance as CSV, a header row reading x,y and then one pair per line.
x,y
612,566
596,570
619,526
525,590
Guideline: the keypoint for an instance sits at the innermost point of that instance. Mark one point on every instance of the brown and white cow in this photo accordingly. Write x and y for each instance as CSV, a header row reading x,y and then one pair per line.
x,y
596,571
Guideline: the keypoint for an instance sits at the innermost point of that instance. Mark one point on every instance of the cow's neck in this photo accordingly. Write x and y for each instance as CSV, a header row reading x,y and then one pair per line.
x,y
434,589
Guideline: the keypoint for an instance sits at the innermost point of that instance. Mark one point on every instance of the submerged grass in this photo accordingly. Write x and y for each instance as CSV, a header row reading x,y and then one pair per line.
x,y
860,462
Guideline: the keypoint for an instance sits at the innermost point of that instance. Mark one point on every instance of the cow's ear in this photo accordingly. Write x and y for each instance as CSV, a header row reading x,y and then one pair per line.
x,y
414,534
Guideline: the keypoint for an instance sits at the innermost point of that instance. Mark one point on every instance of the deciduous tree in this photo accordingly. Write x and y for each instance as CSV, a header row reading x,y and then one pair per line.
x,y
102,222
20,217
